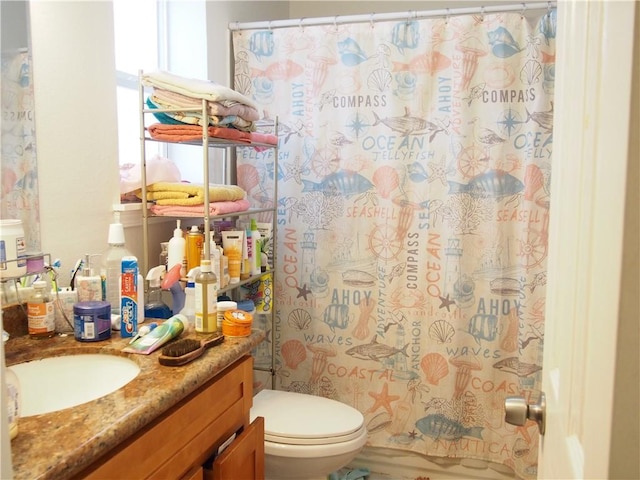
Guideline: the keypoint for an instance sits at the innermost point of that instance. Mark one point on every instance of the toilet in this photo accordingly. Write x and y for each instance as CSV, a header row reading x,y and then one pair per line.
x,y
306,436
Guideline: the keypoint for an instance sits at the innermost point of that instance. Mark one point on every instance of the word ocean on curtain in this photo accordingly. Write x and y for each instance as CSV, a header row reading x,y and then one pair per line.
x,y
413,180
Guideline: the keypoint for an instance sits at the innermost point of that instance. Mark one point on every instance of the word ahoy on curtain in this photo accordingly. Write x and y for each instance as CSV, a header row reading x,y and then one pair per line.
x,y
414,167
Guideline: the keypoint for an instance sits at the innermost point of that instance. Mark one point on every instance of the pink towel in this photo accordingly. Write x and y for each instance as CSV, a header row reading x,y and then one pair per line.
x,y
215,208
186,133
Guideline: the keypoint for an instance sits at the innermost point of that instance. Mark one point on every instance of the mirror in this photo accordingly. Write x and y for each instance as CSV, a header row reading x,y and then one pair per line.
x,y
19,174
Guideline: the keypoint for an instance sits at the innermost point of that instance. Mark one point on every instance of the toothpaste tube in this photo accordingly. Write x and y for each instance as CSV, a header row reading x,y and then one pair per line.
x,y
129,297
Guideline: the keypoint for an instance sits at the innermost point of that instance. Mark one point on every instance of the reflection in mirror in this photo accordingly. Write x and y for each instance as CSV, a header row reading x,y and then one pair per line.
x,y
19,174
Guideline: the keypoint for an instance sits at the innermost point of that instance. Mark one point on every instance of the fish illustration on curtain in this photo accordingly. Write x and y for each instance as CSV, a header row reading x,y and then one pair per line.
x,y
414,171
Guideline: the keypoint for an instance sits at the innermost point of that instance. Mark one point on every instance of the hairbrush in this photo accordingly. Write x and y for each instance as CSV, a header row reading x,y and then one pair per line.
x,y
186,350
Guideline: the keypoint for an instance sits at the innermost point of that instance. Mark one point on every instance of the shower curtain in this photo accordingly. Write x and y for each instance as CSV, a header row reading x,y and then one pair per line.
x,y
413,200
19,191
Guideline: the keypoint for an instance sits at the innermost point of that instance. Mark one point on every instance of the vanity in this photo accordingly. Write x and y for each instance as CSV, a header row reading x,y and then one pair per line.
x,y
168,422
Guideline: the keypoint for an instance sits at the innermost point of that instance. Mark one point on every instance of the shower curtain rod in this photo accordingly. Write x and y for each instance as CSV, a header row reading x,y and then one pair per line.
x,y
375,17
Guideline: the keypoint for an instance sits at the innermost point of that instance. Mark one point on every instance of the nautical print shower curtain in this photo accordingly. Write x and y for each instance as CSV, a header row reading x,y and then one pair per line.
x,y
19,177
413,204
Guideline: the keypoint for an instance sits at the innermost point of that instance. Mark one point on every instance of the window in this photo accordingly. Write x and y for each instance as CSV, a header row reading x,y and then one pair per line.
x,y
138,30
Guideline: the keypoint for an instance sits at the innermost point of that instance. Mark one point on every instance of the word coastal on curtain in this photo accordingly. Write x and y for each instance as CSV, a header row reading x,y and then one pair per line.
x,y
413,180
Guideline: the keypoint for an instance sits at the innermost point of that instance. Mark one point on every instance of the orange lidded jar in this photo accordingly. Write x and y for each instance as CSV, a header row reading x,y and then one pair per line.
x,y
237,323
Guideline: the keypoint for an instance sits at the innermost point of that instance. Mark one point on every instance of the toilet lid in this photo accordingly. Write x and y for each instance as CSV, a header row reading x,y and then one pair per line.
x,y
301,419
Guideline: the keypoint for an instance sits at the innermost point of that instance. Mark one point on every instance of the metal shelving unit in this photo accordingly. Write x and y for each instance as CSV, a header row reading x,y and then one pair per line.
x,y
206,144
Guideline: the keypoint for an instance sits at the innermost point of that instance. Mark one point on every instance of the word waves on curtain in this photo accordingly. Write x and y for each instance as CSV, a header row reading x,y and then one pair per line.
x,y
415,163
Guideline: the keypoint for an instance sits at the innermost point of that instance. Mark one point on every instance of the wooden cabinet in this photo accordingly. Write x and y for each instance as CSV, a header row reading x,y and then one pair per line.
x,y
179,443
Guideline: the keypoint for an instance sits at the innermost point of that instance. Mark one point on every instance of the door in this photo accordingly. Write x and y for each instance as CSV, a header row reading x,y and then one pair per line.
x,y
593,94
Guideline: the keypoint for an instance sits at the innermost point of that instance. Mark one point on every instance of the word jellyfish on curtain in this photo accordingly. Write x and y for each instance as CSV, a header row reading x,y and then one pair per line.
x,y
19,191
413,180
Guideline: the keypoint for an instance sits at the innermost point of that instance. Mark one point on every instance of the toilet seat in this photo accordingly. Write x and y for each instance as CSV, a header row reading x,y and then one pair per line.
x,y
300,419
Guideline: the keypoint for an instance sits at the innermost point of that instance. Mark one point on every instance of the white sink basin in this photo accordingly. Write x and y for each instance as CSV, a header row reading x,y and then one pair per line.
x,y
56,383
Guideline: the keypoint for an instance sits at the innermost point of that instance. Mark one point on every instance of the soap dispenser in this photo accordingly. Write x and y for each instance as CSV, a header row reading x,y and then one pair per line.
x,y
88,285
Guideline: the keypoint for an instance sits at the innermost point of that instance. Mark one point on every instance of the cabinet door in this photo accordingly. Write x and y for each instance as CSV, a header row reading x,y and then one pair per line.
x,y
196,474
244,458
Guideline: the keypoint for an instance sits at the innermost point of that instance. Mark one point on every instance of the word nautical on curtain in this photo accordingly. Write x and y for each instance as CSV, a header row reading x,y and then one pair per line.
x,y
414,172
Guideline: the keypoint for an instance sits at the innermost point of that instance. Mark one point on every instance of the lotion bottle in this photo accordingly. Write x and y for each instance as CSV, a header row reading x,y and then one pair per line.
x,y
256,248
177,250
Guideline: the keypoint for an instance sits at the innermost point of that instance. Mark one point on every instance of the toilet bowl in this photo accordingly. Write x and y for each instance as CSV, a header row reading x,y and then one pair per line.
x,y
306,436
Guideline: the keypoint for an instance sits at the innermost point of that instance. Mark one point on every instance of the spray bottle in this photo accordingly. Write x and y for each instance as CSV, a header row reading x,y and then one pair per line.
x,y
155,307
189,309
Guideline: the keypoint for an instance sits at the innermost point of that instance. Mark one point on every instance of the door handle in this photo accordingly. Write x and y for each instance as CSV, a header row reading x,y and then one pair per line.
x,y
518,411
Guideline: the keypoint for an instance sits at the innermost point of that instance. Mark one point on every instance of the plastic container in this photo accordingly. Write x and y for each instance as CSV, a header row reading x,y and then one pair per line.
x,y
223,307
88,285
206,296
154,306
41,317
189,309
237,323
13,262
195,244
176,251
215,255
13,400
255,248
35,262
112,265
92,321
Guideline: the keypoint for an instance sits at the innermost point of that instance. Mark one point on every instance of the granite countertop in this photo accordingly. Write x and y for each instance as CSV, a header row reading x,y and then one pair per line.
x,y
60,444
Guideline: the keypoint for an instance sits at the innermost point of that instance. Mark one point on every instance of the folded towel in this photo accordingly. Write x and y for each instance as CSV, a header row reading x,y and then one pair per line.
x,y
194,118
177,193
215,208
192,87
189,133
222,108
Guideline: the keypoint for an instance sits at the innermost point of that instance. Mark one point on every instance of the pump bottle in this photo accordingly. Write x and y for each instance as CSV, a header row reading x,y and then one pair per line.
x,y
88,285
177,250
112,264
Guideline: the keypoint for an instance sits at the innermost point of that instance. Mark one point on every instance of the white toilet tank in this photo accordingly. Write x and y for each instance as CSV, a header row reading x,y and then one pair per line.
x,y
301,419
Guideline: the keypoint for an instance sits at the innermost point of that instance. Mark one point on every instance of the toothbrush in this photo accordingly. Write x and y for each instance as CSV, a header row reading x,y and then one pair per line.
x,y
143,331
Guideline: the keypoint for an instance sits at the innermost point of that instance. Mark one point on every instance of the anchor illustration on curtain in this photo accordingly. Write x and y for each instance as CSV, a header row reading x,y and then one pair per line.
x,y
414,171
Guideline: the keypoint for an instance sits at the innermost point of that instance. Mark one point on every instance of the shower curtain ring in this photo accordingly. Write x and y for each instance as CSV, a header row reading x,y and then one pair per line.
x,y
524,9
447,16
335,22
482,13
371,19
408,17
300,24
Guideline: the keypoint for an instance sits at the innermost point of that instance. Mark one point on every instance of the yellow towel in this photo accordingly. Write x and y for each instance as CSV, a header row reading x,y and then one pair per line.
x,y
177,193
